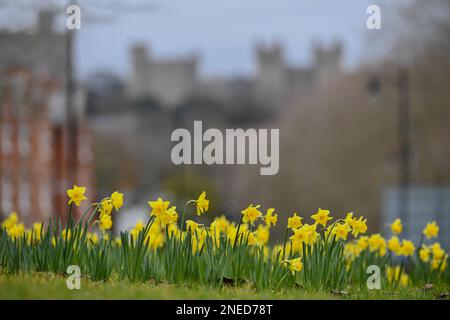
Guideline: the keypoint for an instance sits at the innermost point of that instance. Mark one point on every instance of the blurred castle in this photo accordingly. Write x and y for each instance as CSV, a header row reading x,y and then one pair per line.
x,y
163,94
37,162
172,82
340,132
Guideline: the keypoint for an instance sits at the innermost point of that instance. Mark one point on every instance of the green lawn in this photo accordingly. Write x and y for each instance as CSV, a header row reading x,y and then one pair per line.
x,y
48,286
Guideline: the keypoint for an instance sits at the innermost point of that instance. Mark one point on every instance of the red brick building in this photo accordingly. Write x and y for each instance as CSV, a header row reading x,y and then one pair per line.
x,y
35,161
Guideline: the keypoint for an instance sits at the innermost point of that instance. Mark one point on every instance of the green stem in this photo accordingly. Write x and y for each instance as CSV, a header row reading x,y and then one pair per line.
x,y
183,214
419,247
332,227
237,232
282,278
93,212
96,205
70,216
284,244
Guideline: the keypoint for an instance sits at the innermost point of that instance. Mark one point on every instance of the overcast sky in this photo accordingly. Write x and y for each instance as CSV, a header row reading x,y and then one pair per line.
x,y
224,32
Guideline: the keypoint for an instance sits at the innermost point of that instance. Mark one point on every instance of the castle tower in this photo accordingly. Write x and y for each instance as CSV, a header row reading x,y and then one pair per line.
x,y
327,62
271,77
45,22
169,81
139,82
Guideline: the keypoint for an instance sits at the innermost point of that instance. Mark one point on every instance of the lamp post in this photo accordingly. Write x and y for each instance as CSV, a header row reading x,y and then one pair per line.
x,y
404,142
72,120
403,138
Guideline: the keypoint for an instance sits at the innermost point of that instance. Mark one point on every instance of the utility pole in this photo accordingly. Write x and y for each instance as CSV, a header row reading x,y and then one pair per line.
x,y
71,152
71,112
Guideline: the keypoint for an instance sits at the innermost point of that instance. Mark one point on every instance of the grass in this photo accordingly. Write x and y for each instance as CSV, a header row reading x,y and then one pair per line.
x,y
162,260
52,286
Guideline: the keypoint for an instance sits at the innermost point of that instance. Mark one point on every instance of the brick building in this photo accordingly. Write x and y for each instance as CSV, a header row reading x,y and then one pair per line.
x,y
41,155
34,156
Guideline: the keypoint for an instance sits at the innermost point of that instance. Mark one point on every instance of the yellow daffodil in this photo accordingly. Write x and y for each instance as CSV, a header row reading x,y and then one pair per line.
x,y
352,251
394,245
214,234
220,224
300,236
117,200
76,195
262,235
302,242
192,226
251,213
202,204
407,248
350,220
173,230
231,232
424,253
393,274
295,265
167,217
16,231
198,240
105,222
359,226
155,236
431,230
437,251
12,219
294,222
92,238
440,264
158,207
377,243
137,228
305,234
341,231
66,234
313,235
106,207
251,238
37,229
404,279
363,242
322,217
270,218
397,226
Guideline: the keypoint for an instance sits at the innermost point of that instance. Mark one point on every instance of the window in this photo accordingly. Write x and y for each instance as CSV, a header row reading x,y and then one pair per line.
x,y
24,197
6,139
45,199
24,140
45,145
6,195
